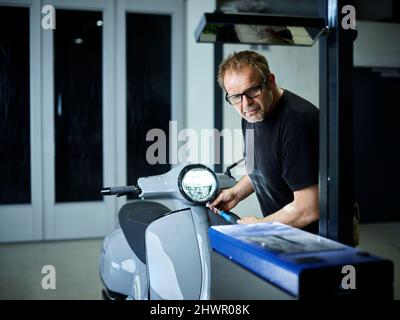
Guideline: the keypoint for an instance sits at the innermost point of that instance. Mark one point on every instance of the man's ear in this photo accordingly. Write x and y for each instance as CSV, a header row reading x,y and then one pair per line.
x,y
271,81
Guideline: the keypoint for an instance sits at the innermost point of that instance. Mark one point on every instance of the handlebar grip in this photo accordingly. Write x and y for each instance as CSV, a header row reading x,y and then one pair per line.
x,y
111,191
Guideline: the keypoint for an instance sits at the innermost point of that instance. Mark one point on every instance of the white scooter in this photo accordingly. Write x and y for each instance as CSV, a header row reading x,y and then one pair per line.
x,y
161,250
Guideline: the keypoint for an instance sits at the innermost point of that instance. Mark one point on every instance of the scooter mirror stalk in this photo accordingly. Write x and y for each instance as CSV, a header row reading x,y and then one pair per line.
x,y
229,168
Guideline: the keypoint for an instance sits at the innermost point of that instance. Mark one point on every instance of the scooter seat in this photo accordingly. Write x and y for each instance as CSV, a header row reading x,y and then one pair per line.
x,y
134,217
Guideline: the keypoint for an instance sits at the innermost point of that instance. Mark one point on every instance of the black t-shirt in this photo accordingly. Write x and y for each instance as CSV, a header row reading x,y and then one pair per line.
x,y
285,152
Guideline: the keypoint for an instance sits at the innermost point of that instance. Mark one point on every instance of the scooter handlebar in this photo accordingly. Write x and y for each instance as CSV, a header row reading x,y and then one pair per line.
x,y
120,191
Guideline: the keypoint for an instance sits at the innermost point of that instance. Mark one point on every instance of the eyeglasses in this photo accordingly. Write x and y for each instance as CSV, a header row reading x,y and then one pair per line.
x,y
250,93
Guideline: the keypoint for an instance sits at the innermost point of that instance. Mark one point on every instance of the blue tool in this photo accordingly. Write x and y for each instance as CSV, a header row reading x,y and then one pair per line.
x,y
227,215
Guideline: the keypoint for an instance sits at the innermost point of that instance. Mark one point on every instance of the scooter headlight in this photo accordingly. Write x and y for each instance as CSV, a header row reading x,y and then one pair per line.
x,y
198,183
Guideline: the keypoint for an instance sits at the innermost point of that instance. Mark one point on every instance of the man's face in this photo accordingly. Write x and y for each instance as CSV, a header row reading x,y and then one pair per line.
x,y
240,81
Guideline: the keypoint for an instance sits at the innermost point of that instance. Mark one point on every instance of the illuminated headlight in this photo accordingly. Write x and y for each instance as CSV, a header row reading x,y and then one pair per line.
x,y
198,183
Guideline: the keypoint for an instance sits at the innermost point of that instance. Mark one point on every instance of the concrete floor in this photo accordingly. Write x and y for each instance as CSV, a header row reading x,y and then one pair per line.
x,y
76,264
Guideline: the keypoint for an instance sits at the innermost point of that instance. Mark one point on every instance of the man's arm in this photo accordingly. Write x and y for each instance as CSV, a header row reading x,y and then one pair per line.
x,y
243,188
302,211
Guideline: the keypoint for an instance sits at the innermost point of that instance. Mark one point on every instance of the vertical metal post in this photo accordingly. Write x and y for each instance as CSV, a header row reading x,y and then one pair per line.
x,y
218,104
336,65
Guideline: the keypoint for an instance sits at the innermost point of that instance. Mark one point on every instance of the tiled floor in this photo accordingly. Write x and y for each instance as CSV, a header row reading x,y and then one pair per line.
x,y
76,264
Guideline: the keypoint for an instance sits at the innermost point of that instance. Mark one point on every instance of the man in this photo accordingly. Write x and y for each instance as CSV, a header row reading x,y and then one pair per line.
x,y
285,173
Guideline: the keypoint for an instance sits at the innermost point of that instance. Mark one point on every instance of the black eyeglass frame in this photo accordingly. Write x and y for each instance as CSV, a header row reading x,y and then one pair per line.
x,y
244,93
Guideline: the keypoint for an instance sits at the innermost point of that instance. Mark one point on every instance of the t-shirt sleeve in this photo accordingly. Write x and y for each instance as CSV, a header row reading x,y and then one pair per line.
x,y
300,156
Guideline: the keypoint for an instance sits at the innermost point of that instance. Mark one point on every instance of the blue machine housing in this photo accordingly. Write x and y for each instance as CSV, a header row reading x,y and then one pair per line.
x,y
300,263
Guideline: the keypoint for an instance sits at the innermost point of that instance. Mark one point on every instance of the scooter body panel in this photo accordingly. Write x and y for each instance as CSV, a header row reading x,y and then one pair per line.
x,y
120,270
174,261
201,225
163,185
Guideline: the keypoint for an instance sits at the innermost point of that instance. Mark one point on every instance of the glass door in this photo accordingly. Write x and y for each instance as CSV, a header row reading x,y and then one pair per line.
x,y
78,120
20,132
76,104
149,82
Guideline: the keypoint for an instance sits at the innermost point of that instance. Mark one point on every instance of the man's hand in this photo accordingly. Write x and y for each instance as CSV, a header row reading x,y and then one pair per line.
x,y
229,198
250,220
226,200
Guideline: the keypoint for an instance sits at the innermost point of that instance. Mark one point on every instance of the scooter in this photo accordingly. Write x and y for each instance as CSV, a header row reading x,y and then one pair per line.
x,y
162,249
